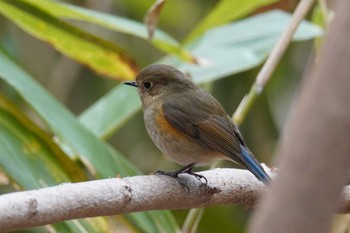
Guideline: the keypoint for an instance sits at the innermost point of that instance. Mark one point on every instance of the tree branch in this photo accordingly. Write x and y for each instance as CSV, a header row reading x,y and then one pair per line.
x,y
125,195
114,196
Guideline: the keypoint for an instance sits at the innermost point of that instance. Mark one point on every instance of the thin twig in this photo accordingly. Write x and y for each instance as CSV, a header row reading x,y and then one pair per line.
x,y
272,61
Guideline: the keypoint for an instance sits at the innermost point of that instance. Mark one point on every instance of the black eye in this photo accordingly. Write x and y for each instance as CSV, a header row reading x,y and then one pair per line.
x,y
147,85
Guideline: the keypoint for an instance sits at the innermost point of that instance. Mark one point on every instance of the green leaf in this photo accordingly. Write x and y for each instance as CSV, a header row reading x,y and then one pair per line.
x,y
25,158
100,55
161,40
76,139
111,111
240,46
32,161
226,11
70,134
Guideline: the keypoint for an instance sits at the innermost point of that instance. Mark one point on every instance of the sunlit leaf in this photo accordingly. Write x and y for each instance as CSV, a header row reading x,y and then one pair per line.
x,y
226,11
100,55
161,40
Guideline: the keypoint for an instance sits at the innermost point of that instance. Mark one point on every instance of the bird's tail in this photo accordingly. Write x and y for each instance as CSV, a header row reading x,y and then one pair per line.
x,y
254,166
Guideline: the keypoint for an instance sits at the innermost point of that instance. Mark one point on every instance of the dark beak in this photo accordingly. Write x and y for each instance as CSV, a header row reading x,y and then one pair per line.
x,y
131,83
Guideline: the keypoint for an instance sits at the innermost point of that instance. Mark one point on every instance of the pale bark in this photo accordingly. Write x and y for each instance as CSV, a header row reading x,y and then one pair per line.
x,y
125,195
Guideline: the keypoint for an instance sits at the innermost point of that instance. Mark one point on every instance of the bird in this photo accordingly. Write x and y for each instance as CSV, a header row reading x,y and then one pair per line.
x,y
187,124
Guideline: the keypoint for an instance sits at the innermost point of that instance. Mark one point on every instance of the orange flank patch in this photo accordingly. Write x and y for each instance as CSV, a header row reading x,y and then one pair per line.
x,y
165,127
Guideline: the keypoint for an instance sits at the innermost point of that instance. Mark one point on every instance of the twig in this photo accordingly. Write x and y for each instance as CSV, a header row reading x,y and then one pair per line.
x,y
272,61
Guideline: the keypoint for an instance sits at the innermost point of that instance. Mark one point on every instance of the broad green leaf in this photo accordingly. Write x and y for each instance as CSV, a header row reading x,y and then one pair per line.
x,y
25,158
76,139
112,111
242,45
161,40
100,55
226,11
32,161
41,141
69,133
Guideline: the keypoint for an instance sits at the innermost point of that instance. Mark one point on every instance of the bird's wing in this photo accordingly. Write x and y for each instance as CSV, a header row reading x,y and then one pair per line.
x,y
215,132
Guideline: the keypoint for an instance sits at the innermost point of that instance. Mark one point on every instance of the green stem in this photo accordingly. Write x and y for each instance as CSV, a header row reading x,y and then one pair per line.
x,y
272,60
195,215
192,220
247,103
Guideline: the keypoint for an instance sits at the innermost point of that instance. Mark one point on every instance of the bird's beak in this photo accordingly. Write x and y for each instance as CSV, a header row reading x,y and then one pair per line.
x,y
131,83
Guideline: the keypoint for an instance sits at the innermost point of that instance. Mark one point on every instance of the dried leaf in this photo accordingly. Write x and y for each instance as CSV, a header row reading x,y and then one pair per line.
x,y
152,17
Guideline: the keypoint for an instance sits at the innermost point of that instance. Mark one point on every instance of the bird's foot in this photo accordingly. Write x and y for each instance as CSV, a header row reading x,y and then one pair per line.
x,y
186,169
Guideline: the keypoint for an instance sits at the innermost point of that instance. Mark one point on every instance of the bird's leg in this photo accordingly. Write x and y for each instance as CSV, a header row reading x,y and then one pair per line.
x,y
186,169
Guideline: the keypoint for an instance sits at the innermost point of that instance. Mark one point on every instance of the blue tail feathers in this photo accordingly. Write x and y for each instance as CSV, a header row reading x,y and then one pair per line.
x,y
253,165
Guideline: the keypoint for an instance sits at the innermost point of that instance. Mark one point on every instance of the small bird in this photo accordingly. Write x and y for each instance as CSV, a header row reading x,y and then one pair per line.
x,y
189,125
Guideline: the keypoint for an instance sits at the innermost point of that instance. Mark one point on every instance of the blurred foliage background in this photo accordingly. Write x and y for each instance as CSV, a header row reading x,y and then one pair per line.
x,y
65,118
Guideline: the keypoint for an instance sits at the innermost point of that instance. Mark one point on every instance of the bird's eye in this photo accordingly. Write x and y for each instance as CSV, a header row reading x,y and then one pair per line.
x,y
147,85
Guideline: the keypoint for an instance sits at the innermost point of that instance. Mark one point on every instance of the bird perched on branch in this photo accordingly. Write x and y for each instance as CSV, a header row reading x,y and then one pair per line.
x,y
189,125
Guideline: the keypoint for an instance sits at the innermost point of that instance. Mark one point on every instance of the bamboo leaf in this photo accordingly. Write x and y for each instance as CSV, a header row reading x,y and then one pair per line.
x,y
31,160
224,12
161,40
241,45
75,139
100,55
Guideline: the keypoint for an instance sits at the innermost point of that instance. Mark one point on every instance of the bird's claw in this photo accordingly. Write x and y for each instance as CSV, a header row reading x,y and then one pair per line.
x,y
186,169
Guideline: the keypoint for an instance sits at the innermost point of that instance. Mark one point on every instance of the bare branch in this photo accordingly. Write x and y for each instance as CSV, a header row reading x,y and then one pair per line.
x,y
125,195
272,61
